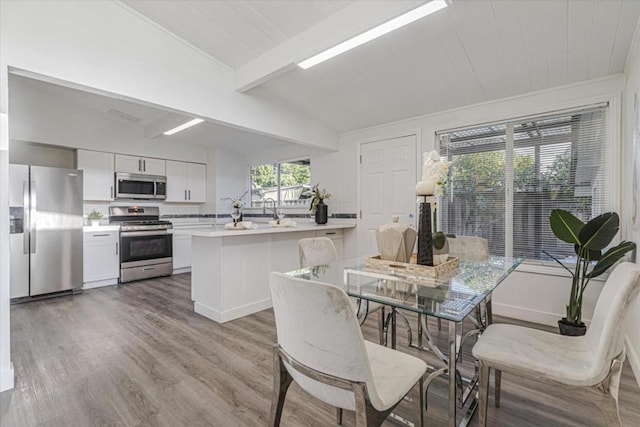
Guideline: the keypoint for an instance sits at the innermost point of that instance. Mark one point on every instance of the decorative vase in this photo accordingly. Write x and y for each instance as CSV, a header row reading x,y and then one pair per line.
x,y
321,212
571,329
440,256
396,241
425,188
95,222
425,242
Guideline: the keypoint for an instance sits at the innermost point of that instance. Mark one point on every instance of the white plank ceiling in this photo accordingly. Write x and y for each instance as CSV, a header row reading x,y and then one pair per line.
x,y
470,52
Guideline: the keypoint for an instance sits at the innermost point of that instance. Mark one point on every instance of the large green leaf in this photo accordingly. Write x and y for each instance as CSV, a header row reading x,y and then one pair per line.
x,y
610,257
600,231
565,226
589,254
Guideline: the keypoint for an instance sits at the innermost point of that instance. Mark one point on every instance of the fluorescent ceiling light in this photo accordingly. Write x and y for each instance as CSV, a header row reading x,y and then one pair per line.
x,y
183,126
380,30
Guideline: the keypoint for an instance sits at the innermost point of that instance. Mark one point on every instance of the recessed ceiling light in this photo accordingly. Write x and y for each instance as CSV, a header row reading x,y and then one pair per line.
x,y
183,126
382,29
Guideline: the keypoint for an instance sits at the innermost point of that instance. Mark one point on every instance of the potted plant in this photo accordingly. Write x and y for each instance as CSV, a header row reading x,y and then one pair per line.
x,y
94,216
589,241
317,203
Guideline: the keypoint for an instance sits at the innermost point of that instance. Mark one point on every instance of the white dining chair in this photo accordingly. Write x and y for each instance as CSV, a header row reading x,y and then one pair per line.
x,y
320,347
314,251
470,248
590,365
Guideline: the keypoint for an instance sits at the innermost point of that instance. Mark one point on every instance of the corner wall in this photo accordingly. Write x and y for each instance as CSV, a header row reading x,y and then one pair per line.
x,y
631,185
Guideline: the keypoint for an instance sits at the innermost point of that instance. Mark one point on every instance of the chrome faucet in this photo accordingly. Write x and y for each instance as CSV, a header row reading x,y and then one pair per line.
x,y
264,206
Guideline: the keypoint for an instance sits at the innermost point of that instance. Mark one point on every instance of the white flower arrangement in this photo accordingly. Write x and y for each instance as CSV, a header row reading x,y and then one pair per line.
x,y
236,202
435,170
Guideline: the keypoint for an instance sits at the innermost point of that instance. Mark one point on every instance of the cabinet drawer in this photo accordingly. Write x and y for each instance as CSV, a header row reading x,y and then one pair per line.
x,y
332,234
101,236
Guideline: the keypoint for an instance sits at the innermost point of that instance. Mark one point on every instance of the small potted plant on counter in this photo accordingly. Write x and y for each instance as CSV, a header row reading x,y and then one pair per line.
x,y
318,206
589,241
95,217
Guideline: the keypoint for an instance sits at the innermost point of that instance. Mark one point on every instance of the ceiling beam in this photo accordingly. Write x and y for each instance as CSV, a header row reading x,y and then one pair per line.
x,y
348,22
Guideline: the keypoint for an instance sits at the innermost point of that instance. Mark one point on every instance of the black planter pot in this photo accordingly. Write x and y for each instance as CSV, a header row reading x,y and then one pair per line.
x,y
321,213
571,329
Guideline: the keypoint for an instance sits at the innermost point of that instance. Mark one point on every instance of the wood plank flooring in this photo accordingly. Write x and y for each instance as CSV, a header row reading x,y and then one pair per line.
x,y
137,355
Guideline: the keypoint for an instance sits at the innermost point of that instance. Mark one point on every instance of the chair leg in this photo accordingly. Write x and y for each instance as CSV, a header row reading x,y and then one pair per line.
x,y
607,394
281,382
339,416
381,320
419,402
483,386
497,385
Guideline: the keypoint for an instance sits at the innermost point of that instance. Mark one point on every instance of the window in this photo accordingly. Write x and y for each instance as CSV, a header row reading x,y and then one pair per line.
x,y
506,178
283,184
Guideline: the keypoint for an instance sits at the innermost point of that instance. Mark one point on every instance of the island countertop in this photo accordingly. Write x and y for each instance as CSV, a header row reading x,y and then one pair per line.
x,y
220,231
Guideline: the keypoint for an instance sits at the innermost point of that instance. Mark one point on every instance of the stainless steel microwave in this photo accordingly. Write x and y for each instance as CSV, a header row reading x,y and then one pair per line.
x,y
136,186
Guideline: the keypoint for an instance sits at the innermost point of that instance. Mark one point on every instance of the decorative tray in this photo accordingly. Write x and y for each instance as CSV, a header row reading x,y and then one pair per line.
x,y
448,268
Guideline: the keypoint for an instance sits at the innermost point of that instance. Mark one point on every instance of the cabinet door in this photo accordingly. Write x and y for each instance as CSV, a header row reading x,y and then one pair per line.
x,y
197,182
176,181
129,164
153,166
98,174
181,251
101,256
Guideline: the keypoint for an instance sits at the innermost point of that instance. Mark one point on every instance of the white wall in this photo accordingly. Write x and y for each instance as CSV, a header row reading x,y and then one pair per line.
x,y
6,368
629,231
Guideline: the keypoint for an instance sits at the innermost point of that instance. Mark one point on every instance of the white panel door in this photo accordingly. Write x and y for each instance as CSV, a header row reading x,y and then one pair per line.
x,y
387,187
98,178
176,181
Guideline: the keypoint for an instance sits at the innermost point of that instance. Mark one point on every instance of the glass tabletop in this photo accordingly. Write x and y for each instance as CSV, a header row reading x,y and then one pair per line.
x,y
450,297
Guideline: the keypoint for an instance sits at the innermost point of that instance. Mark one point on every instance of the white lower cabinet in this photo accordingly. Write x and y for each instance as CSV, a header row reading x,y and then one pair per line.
x,y
181,251
101,258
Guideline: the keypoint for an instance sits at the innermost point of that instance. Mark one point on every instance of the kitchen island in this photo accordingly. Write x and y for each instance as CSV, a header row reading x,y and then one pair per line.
x,y
230,268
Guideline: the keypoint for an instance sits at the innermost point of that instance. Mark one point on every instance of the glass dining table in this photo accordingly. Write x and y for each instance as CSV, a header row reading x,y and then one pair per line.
x,y
463,294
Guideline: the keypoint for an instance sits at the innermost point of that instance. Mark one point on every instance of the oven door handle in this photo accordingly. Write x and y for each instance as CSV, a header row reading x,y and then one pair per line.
x,y
143,233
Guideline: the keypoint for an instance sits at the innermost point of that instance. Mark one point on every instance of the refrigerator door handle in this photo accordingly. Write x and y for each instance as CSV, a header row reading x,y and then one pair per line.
x,y
27,217
33,227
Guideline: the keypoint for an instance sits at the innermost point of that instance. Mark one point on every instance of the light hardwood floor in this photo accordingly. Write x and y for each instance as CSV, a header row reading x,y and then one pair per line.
x,y
137,355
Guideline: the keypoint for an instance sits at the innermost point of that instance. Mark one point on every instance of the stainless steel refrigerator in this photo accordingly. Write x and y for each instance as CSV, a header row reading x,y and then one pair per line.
x,y
46,230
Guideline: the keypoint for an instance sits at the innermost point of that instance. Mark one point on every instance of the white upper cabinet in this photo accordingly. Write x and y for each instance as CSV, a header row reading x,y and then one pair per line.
x,y
98,174
186,182
197,182
135,164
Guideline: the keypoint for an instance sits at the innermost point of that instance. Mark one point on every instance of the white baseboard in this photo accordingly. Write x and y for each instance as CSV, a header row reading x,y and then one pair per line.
x,y
181,270
99,283
7,378
526,314
235,313
634,358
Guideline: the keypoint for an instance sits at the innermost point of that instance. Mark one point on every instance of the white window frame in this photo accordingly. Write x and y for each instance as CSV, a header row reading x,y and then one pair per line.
x,y
278,162
614,162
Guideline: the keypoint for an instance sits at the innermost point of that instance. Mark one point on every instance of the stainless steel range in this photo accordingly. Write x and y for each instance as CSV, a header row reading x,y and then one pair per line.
x,y
146,247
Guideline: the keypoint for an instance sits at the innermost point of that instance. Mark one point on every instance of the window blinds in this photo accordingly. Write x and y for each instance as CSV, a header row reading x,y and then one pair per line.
x,y
506,178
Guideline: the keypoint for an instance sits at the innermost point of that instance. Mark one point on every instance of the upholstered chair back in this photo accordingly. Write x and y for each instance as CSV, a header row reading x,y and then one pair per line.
x,y
470,248
316,251
606,332
317,326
